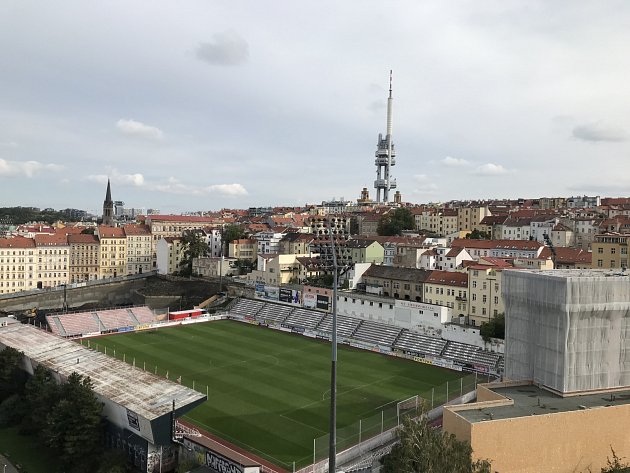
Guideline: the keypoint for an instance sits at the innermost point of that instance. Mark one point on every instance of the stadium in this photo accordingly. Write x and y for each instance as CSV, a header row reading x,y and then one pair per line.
x,y
244,395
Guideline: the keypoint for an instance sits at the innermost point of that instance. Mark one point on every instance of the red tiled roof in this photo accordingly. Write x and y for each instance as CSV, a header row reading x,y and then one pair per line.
x,y
448,278
42,239
179,218
137,230
110,232
17,242
83,238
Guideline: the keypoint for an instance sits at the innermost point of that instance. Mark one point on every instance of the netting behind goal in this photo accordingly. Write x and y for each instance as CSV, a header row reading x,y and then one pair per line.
x,y
408,407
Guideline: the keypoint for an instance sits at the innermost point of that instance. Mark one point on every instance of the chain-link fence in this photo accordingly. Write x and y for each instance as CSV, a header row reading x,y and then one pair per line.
x,y
391,416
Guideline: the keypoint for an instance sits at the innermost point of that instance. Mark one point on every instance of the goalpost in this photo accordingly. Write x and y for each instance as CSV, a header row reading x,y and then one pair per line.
x,y
409,406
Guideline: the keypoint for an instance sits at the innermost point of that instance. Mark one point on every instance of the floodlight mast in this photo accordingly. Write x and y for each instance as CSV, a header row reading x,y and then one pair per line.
x,y
333,233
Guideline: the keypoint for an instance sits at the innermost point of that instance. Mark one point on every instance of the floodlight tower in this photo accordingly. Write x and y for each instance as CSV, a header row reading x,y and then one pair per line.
x,y
385,155
330,237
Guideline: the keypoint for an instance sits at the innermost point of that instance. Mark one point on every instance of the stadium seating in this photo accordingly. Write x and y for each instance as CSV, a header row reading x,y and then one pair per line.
x,y
247,307
307,319
143,314
274,313
415,342
56,327
114,318
470,354
369,331
75,324
345,325
374,332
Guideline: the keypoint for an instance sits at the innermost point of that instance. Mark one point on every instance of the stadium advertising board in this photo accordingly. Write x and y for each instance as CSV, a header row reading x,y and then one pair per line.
x,y
220,464
309,301
322,302
270,293
290,296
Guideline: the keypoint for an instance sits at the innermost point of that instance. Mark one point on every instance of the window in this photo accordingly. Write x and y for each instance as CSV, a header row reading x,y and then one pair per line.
x,y
474,297
600,263
474,284
484,299
600,250
496,300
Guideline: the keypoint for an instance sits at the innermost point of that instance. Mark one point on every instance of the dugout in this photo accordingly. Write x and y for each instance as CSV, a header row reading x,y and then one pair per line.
x,y
215,457
138,406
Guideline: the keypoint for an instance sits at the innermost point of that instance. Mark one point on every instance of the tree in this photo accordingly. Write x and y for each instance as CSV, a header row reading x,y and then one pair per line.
x,y
231,233
393,223
193,246
12,378
40,393
495,328
478,235
424,449
74,426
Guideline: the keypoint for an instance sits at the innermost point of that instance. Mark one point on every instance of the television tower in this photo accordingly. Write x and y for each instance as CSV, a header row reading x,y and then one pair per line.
x,y
385,155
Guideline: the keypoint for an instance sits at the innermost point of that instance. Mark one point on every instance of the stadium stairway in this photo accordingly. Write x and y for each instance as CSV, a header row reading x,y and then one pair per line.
x,y
356,329
133,317
60,328
101,326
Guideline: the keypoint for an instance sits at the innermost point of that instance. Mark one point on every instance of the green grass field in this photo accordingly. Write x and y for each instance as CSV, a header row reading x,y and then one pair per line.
x,y
268,391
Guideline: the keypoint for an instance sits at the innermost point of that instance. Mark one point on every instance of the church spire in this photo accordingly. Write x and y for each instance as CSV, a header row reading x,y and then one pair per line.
x,y
108,207
108,195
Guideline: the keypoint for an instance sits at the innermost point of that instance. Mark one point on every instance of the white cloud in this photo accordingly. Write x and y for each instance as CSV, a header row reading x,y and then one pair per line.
x,y
228,189
171,186
599,132
134,180
133,128
490,169
424,185
25,168
8,144
455,162
226,49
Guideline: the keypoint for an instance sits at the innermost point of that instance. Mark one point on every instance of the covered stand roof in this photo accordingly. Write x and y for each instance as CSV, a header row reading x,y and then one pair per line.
x,y
144,393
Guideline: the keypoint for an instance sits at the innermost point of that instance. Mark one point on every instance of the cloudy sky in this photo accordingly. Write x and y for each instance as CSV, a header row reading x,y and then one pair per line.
x,y
200,105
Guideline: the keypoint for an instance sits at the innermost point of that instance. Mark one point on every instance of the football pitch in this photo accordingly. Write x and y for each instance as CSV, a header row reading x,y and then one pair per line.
x,y
269,391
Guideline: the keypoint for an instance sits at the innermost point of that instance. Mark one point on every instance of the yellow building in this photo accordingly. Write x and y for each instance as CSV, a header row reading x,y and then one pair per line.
x,y
244,249
522,428
484,290
449,289
139,249
296,243
53,260
610,250
469,217
113,257
84,253
18,267
437,221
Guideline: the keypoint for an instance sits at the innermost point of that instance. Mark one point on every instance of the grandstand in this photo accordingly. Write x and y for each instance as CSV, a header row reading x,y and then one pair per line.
x,y
307,319
417,343
137,405
346,326
93,322
470,354
368,331
377,333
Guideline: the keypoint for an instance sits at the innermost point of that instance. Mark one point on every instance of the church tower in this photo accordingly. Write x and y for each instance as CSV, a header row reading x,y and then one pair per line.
x,y
108,207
